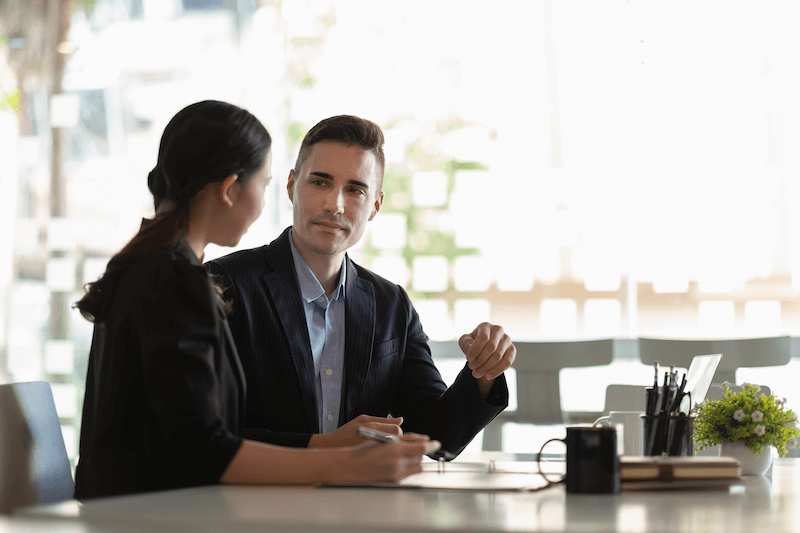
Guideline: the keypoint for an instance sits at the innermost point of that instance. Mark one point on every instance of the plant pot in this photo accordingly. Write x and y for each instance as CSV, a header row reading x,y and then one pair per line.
x,y
753,464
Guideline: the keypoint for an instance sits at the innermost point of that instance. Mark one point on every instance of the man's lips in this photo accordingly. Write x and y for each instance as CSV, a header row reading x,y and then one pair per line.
x,y
330,225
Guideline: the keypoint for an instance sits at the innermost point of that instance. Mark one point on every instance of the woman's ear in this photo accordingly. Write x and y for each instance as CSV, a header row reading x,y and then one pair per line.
x,y
228,192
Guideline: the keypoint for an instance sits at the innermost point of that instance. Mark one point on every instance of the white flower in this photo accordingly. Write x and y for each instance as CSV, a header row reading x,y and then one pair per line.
x,y
780,402
738,415
725,385
757,416
792,443
758,387
760,430
695,409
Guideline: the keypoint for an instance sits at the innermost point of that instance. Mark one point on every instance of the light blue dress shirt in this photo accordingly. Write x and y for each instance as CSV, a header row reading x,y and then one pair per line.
x,y
325,321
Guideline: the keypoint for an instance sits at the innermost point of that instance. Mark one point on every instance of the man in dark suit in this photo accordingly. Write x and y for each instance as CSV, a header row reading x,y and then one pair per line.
x,y
328,346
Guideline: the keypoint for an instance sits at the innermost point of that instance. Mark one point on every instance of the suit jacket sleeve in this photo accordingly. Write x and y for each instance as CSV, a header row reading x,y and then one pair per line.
x,y
451,415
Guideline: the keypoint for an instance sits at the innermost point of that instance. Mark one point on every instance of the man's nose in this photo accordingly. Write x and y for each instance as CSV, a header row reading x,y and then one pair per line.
x,y
334,201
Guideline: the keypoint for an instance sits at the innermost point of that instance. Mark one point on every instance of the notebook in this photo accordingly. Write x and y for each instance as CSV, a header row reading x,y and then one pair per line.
x,y
648,473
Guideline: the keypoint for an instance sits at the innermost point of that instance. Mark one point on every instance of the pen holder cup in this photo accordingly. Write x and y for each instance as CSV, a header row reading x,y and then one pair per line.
x,y
668,435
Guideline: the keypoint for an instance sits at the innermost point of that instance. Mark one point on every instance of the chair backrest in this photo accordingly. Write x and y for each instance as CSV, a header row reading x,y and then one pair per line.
x,y
537,367
445,350
34,467
736,353
624,398
715,393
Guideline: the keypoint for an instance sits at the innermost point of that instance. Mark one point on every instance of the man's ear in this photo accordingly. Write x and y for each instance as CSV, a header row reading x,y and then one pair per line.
x,y
228,192
378,204
290,185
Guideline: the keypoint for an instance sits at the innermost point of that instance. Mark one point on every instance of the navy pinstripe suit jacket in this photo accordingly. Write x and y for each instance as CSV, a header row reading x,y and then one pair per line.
x,y
387,363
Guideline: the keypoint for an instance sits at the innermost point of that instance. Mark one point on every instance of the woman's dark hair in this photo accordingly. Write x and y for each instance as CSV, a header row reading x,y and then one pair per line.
x,y
205,142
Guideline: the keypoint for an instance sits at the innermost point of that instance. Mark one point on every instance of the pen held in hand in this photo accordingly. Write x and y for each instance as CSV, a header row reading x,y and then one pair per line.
x,y
381,436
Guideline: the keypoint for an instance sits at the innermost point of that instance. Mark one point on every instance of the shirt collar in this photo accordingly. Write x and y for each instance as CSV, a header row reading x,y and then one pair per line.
x,y
310,288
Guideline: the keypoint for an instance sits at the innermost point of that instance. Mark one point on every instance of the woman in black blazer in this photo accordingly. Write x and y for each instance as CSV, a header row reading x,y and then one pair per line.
x,y
165,392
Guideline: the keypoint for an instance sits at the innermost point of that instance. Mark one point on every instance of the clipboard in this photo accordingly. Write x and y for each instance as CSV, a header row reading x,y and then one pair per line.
x,y
461,477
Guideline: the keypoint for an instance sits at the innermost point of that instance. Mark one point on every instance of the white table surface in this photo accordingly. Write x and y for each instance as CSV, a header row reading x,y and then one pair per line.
x,y
762,503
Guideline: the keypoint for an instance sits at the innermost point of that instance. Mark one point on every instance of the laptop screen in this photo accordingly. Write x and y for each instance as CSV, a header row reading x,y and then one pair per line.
x,y
698,379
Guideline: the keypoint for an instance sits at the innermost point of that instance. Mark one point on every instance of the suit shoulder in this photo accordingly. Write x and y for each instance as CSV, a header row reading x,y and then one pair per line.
x,y
383,287
239,263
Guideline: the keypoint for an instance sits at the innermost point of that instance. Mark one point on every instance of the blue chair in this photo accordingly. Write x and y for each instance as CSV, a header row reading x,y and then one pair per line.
x,y
34,467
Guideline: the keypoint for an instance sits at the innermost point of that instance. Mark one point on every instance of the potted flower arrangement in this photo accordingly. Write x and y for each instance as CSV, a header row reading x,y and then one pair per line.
x,y
746,419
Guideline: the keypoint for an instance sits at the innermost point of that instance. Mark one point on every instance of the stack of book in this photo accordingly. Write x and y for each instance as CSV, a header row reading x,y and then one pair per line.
x,y
648,473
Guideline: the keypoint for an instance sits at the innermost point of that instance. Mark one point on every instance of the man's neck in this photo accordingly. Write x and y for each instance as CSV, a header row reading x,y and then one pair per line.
x,y
327,272
326,268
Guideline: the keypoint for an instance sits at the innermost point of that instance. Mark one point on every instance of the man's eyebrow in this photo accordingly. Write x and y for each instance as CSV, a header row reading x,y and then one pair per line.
x,y
330,177
358,184
321,174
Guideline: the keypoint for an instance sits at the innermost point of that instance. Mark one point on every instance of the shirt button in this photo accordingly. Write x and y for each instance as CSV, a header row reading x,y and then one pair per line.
x,y
330,418
329,372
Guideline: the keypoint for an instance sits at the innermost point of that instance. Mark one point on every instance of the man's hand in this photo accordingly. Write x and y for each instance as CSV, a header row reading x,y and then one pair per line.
x,y
347,435
489,353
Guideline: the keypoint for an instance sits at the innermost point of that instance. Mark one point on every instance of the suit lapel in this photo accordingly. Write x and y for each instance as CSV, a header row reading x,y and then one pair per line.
x,y
359,335
283,287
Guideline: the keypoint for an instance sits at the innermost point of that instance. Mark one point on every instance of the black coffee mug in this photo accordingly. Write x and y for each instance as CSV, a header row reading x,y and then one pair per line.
x,y
592,460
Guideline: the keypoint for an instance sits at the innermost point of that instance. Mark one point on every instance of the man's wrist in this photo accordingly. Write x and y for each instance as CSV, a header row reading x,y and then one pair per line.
x,y
497,394
485,386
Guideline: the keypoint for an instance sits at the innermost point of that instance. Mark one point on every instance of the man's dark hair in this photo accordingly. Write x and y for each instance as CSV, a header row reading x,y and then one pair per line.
x,y
348,130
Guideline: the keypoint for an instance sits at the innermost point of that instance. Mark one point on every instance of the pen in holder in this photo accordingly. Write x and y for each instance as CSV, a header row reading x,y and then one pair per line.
x,y
668,435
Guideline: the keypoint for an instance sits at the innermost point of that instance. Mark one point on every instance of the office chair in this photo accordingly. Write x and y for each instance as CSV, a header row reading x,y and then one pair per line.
x,y
537,367
445,350
736,353
624,398
34,467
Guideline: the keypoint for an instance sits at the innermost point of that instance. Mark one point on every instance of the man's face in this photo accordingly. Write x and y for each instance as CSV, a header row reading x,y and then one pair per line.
x,y
334,194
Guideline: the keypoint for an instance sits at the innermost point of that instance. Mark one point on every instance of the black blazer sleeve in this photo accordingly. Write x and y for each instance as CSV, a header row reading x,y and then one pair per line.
x,y
452,415
164,391
181,350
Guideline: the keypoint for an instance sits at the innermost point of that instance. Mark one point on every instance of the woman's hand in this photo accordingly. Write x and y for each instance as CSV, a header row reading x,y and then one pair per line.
x,y
374,461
